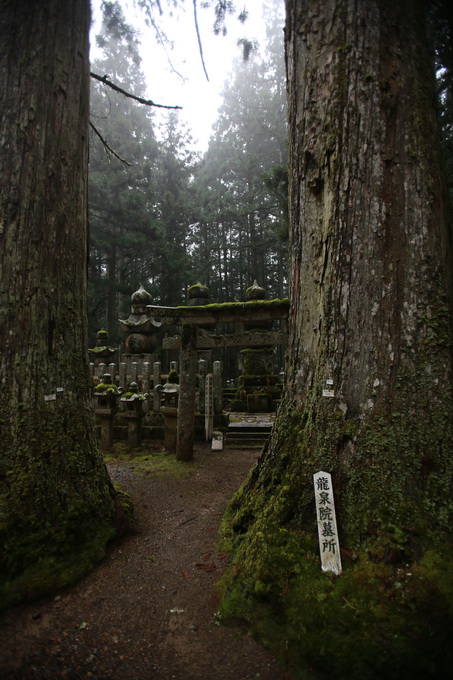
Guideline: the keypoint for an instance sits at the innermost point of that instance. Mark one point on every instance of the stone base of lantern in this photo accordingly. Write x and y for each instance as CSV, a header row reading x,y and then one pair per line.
x,y
134,429
106,432
106,412
170,428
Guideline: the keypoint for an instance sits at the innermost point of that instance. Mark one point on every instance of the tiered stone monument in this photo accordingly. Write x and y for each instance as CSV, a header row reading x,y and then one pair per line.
x,y
102,351
258,391
140,342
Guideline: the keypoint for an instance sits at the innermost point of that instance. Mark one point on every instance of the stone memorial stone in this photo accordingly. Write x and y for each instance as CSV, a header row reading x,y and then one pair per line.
x,y
123,375
156,382
133,401
209,407
202,370
102,350
139,327
217,386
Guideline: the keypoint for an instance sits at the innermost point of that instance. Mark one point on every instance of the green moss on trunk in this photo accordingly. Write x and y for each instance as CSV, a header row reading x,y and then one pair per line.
x,y
370,274
390,613
59,510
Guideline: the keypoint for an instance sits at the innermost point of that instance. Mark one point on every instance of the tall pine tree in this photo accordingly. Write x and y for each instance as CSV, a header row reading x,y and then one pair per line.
x,y
122,195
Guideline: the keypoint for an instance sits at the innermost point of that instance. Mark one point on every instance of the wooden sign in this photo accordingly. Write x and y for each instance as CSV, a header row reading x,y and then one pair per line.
x,y
329,545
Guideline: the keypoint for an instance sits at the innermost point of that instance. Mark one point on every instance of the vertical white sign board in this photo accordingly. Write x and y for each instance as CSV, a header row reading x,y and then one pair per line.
x,y
329,545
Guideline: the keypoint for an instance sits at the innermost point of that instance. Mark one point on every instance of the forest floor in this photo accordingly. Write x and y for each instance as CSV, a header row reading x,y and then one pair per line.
x,y
147,611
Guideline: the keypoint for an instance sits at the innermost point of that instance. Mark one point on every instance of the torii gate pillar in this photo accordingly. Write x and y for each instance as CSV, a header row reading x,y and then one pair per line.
x,y
187,387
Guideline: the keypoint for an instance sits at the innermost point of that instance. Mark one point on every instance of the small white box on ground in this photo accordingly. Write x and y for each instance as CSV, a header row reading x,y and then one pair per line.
x,y
217,441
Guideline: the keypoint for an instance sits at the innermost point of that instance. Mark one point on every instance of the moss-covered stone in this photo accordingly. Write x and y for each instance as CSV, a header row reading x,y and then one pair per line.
x,y
198,290
173,377
255,292
106,388
257,361
242,306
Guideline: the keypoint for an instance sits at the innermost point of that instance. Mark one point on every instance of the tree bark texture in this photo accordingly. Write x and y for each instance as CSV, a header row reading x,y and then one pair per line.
x,y
368,394
369,257
370,266
56,497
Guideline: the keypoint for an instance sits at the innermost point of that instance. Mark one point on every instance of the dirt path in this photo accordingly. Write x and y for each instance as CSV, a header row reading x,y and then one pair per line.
x,y
147,611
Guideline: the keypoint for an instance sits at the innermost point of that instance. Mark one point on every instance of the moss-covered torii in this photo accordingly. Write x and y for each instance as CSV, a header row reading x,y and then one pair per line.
x,y
189,342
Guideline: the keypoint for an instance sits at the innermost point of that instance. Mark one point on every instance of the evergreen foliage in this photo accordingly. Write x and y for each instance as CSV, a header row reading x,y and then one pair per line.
x,y
166,218
442,33
242,180
176,207
121,197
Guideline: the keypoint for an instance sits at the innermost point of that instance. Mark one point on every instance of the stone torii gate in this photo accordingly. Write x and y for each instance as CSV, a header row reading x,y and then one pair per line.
x,y
189,342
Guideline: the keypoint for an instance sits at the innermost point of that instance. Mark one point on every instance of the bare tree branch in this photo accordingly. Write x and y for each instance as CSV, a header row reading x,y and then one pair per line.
x,y
147,102
108,147
200,46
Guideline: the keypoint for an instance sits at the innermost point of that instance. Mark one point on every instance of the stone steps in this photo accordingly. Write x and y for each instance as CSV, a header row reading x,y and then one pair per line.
x,y
250,433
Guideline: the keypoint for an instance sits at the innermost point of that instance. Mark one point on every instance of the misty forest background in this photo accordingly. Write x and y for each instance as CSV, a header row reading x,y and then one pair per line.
x,y
166,216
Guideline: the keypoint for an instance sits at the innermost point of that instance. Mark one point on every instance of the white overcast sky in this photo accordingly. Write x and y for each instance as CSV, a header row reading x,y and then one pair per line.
x,y
199,98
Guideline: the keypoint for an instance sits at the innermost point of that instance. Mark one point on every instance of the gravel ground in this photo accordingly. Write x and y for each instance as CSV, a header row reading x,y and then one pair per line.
x,y
147,611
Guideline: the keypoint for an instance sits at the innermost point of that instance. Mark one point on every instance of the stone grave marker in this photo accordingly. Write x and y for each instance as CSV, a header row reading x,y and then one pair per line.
x,y
209,407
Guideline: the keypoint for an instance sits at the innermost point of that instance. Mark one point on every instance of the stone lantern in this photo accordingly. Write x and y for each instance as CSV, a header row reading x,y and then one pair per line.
x,y
133,402
170,392
106,394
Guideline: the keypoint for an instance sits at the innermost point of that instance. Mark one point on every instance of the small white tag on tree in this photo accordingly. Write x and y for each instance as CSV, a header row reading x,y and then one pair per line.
x,y
329,545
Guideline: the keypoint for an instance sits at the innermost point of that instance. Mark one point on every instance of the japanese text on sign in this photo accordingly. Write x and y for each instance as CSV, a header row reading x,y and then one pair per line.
x,y
329,546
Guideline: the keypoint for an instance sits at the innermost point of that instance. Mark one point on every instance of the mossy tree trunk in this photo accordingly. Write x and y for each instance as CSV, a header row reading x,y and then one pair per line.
x,y
56,498
370,280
